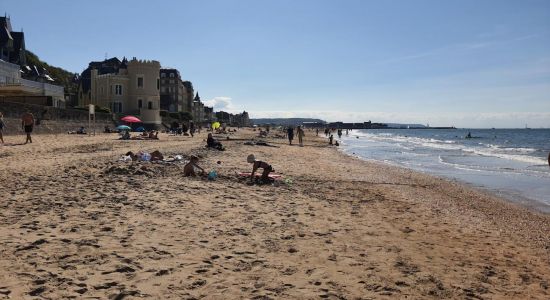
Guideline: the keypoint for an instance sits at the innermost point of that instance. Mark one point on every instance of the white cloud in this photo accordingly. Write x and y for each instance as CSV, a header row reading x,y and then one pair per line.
x,y
460,120
222,103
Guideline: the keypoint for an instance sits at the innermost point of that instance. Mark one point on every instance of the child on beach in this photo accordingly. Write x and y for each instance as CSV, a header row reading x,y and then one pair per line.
x,y
189,168
259,164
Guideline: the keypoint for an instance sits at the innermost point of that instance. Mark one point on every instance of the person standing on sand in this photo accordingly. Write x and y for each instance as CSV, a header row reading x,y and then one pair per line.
x,y
192,128
317,132
2,125
27,122
300,133
290,133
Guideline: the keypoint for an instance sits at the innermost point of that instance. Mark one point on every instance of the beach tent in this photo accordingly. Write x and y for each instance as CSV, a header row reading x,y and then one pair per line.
x,y
140,129
216,125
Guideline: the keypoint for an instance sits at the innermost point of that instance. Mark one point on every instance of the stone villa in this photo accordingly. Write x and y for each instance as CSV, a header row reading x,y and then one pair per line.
x,y
129,87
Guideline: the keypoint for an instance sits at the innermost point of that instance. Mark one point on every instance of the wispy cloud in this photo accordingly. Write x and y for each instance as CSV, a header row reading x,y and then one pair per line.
x,y
221,103
457,48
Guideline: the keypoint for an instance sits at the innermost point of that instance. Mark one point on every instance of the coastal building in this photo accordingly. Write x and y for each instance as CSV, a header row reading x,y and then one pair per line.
x,y
125,87
12,43
208,114
16,78
237,120
173,94
198,109
190,93
11,84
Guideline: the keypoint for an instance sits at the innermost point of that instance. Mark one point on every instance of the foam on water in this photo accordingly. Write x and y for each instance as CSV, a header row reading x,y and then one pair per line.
x,y
510,162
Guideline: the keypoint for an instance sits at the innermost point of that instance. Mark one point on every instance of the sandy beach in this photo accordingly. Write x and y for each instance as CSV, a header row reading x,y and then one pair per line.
x,y
77,223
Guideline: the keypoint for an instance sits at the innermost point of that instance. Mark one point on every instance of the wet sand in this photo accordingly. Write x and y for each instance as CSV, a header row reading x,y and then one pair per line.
x,y
76,223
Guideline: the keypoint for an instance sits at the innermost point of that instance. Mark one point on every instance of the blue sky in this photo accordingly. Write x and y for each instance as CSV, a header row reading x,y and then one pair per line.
x,y
455,62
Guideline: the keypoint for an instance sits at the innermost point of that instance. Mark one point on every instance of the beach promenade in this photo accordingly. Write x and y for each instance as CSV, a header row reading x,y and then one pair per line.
x,y
77,223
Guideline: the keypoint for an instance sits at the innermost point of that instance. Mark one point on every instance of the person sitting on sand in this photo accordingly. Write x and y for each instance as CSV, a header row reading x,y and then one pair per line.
x,y
211,142
259,164
126,135
81,130
189,168
154,135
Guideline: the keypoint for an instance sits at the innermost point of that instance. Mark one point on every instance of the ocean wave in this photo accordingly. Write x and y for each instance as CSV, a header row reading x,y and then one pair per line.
x,y
492,150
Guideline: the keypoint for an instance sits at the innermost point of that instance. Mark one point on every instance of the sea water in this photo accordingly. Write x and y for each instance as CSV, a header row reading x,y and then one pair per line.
x,y
512,163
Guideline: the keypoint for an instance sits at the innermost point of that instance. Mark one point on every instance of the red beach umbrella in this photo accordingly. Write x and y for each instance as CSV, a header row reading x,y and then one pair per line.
x,y
131,119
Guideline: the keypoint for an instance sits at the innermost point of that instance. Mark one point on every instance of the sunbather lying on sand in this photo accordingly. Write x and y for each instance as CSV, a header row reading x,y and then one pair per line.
x,y
189,169
144,156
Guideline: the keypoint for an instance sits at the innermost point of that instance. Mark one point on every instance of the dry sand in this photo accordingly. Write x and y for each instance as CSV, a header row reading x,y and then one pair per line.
x,y
76,223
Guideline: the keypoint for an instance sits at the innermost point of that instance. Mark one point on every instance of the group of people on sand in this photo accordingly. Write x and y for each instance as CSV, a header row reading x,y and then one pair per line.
x,y
27,124
189,168
299,133
145,135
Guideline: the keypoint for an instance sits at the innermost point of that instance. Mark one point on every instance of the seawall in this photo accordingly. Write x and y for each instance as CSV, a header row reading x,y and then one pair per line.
x,y
49,119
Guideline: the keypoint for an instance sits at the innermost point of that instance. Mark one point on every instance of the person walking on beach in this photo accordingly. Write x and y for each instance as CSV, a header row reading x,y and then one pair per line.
x,y
27,122
339,133
317,132
192,129
300,133
2,125
290,134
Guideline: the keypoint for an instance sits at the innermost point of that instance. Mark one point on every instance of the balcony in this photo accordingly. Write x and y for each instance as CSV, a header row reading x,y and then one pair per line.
x,y
29,87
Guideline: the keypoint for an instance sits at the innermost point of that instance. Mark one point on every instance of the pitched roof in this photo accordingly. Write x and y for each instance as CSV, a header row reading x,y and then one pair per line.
x,y
108,66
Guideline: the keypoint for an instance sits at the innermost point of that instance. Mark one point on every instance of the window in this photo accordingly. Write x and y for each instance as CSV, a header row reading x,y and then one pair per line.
x,y
118,89
117,107
140,103
158,84
140,82
171,75
163,90
172,81
163,75
150,105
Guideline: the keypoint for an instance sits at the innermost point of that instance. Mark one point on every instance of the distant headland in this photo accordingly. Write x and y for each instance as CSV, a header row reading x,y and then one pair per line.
x,y
316,123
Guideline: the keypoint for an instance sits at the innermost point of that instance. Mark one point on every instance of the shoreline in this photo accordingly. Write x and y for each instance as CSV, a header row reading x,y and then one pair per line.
x,y
508,197
75,222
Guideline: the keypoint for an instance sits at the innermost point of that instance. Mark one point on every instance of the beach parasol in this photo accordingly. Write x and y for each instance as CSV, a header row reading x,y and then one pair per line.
x,y
123,127
131,119
216,125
